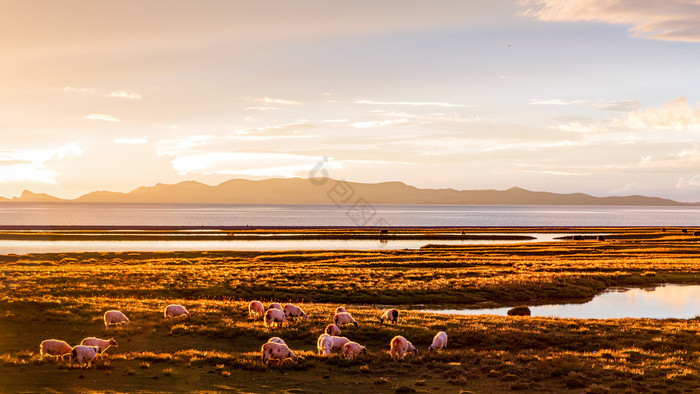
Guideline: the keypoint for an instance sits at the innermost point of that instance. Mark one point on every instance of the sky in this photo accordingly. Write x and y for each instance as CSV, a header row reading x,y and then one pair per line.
x,y
593,96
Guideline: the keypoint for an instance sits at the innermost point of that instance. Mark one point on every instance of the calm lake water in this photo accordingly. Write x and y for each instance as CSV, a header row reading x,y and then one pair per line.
x,y
344,215
663,302
24,247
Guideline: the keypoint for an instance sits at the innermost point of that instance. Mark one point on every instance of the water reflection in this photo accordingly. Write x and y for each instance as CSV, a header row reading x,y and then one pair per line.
x,y
663,302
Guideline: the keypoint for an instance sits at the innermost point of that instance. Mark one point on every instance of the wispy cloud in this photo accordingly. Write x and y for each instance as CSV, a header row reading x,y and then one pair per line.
x,y
72,89
268,100
287,128
662,20
410,103
125,94
142,140
105,117
603,105
379,123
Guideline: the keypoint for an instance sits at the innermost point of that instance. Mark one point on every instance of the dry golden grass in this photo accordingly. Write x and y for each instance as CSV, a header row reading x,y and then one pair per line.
x,y
63,296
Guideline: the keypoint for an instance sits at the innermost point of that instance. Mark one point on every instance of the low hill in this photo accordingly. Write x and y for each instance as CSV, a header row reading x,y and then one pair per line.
x,y
329,191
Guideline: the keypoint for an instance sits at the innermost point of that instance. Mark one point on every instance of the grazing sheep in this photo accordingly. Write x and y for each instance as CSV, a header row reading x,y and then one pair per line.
x,y
327,344
684,231
291,310
274,316
256,310
577,237
696,233
352,349
276,351
103,344
276,340
390,315
384,232
600,238
54,348
115,317
340,309
174,310
439,342
275,305
332,330
399,347
519,311
85,353
663,229
344,318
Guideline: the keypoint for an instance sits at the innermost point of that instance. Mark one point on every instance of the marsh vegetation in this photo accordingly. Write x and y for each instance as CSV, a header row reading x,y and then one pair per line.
x,y
63,296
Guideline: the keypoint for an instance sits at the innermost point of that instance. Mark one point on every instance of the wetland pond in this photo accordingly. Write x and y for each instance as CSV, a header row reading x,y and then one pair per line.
x,y
663,302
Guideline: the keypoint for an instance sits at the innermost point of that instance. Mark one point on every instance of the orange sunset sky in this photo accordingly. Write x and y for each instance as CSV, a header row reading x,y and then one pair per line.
x,y
594,96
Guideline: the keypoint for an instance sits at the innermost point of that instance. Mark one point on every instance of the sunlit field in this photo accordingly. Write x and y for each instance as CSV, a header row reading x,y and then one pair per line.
x,y
63,296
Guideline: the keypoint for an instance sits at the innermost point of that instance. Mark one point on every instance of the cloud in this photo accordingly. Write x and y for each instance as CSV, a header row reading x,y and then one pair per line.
x,y
661,20
71,89
410,103
268,100
124,94
105,117
379,123
675,115
29,165
685,160
688,182
244,163
283,129
141,140
603,105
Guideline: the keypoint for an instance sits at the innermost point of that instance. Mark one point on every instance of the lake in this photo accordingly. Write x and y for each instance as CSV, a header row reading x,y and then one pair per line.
x,y
196,215
663,302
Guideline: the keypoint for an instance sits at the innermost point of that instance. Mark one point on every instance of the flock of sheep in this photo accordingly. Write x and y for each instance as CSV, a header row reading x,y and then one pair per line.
x,y
275,349
330,341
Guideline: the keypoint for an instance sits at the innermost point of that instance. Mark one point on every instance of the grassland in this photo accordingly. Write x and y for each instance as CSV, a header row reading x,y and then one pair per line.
x,y
64,295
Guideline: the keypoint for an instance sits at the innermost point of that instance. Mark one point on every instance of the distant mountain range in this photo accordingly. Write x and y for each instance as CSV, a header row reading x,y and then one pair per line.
x,y
329,191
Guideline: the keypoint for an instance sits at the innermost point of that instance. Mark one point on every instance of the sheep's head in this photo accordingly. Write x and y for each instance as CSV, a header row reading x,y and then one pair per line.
x,y
415,351
355,323
112,342
363,351
305,316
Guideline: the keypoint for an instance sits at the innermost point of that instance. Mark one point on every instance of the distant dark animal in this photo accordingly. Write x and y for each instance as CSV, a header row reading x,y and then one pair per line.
x,y
600,238
684,231
696,234
390,315
463,232
577,237
519,311
663,229
384,232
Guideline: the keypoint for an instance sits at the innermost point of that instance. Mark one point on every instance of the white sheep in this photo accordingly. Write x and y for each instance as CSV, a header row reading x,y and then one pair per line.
x,y
85,353
343,318
399,347
275,305
174,310
390,315
274,316
439,342
291,310
103,344
340,309
276,351
54,348
115,317
327,344
256,310
276,340
352,349
332,330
